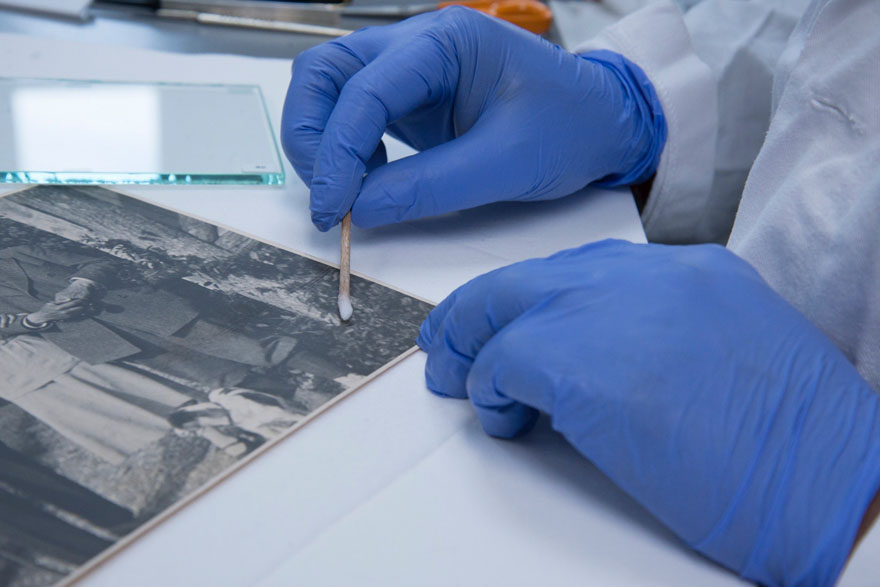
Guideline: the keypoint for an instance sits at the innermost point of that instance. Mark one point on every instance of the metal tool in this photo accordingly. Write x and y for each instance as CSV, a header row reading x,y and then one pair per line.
x,y
531,15
299,12
254,23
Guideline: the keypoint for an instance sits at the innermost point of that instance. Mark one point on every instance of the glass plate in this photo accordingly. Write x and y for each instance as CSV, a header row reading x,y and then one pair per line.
x,y
91,132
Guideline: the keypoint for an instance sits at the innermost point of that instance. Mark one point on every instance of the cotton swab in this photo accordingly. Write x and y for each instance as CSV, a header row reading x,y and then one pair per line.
x,y
344,299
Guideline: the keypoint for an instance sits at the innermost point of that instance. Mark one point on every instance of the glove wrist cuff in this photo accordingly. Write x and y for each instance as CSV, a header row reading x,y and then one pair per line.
x,y
806,499
642,154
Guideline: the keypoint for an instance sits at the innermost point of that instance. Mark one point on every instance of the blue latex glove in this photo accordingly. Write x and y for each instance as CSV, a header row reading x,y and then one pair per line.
x,y
694,386
498,113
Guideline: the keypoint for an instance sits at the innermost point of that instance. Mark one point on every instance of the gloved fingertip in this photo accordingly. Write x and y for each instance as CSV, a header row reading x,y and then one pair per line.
x,y
367,219
324,221
426,335
432,386
439,393
386,197
508,421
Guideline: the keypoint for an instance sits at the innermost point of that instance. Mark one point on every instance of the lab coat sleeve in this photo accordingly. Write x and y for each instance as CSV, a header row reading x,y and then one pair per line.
x,y
712,70
656,39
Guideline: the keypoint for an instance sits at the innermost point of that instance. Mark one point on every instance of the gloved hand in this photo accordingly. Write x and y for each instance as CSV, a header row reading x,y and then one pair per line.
x,y
498,113
689,382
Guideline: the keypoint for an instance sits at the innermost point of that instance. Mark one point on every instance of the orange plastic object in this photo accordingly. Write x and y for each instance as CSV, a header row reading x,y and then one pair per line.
x,y
531,15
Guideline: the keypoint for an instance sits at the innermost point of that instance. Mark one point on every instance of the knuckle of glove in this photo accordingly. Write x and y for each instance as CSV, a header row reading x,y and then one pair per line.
x,y
456,18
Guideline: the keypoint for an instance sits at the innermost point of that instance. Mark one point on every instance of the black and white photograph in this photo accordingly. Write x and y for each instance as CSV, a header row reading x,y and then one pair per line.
x,y
145,353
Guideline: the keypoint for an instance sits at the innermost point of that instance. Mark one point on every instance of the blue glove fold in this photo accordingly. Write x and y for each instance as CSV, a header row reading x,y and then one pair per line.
x,y
693,385
497,112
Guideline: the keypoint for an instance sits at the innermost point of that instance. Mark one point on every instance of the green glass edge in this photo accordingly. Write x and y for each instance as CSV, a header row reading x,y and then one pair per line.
x,y
98,178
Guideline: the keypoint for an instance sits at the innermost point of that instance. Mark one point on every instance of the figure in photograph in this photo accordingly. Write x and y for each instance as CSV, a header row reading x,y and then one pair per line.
x,y
67,327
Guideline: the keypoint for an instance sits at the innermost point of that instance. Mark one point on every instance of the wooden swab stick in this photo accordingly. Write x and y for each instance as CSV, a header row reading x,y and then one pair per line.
x,y
344,300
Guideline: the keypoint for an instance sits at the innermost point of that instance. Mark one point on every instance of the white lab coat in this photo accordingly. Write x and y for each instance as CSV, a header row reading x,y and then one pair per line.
x,y
787,95
773,110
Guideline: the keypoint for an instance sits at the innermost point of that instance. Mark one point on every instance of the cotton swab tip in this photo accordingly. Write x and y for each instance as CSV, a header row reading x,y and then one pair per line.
x,y
345,309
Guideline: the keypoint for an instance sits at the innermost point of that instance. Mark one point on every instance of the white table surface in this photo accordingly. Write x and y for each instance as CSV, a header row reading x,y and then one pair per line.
x,y
392,486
